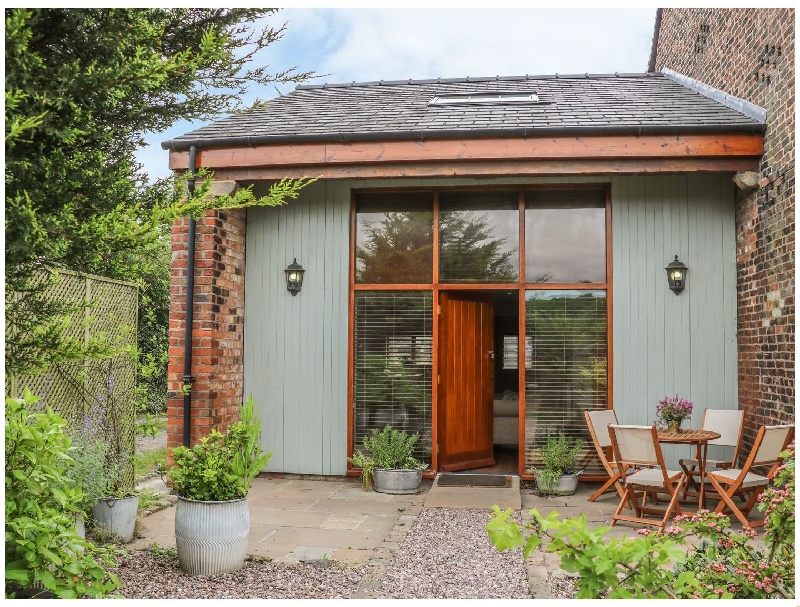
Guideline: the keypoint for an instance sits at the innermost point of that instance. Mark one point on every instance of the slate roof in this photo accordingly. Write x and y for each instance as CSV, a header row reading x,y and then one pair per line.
x,y
576,104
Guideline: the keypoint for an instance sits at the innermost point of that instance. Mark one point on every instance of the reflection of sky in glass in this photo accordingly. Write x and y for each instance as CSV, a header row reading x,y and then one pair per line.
x,y
565,245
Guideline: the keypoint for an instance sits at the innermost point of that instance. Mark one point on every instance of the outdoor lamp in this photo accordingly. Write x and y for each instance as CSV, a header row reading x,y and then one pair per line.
x,y
676,275
294,277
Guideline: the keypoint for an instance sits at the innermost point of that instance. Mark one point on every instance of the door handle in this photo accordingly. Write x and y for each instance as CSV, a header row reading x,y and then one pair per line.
x,y
491,354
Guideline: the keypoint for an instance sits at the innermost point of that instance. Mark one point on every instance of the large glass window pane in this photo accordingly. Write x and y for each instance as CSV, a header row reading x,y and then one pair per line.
x,y
478,237
565,236
394,238
568,373
393,355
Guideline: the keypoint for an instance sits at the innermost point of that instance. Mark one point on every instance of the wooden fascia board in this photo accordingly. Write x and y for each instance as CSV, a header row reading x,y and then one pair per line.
x,y
471,150
493,169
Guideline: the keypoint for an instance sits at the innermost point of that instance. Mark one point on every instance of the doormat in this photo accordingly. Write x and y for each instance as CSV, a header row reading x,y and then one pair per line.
x,y
474,480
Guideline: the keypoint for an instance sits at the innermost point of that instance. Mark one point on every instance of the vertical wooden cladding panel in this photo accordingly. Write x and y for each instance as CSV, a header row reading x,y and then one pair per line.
x,y
666,344
295,347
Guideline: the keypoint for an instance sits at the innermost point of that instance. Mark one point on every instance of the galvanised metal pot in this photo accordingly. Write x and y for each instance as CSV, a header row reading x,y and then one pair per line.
x,y
117,515
211,537
396,481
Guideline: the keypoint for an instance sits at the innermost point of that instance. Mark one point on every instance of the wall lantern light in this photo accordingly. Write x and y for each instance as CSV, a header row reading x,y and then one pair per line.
x,y
676,275
294,277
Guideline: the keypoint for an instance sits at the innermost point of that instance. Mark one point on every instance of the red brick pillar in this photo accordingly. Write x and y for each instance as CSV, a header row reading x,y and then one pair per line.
x,y
218,331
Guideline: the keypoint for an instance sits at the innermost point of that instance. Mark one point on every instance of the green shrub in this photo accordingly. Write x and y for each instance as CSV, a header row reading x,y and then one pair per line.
x,y
389,448
559,456
42,545
221,467
721,565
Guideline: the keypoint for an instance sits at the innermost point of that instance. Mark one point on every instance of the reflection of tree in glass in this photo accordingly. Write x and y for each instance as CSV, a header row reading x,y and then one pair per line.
x,y
398,249
470,252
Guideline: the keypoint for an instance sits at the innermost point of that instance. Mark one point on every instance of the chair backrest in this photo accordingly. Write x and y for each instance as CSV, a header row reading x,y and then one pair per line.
x,y
728,422
770,441
636,445
598,426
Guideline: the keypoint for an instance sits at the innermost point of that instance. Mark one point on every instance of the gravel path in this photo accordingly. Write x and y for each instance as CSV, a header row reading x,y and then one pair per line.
x,y
446,554
145,576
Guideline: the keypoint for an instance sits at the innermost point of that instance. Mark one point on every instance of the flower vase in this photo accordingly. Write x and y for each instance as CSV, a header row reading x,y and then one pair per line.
x,y
674,427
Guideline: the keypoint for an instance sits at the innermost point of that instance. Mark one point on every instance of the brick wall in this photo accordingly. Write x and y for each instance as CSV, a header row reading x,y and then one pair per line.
x,y
218,337
749,53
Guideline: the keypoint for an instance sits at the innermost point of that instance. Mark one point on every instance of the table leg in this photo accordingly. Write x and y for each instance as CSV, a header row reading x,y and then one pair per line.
x,y
702,449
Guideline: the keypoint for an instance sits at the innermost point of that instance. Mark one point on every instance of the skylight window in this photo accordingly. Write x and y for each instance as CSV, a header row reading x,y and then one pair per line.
x,y
484,99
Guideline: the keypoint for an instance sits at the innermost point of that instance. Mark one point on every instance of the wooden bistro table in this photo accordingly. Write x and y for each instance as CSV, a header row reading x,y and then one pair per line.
x,y
698,438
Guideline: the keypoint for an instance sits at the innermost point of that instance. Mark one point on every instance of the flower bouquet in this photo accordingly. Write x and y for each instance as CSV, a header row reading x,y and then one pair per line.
x,y
672,411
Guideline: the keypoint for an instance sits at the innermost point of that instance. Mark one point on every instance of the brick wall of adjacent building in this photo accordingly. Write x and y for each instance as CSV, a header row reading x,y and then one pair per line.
x,y
218,335
749,53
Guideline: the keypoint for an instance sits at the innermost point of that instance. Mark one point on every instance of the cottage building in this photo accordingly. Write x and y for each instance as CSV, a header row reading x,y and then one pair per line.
x,y
759,68
484,261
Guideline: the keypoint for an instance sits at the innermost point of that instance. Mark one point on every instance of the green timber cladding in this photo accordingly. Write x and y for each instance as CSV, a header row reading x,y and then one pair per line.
x,y
296,348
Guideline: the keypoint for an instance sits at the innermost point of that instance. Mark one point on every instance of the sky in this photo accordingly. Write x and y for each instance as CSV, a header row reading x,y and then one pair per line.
x,y
359,44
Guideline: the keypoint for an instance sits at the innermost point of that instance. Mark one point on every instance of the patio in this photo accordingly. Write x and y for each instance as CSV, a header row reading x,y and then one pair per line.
x,y
309,520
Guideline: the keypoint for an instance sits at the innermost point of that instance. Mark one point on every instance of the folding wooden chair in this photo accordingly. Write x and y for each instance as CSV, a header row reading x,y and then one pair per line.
x,y
769,442
598,421
637,448
730,425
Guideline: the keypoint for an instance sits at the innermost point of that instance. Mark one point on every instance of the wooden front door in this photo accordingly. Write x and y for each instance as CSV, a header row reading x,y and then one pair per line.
x,y
466,380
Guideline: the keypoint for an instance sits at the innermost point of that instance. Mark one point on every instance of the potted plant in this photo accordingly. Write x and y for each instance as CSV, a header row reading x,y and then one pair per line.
x,y
672,411
390,467
212,479
559,456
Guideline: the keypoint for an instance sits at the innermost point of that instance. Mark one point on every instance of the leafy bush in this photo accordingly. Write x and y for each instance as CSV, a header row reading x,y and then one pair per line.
x,y
721,565
389,448
559,455
221,467
42,545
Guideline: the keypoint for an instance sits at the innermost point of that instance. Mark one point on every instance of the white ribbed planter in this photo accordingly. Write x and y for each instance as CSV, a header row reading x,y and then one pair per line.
x,y
211,537
117,516
396,481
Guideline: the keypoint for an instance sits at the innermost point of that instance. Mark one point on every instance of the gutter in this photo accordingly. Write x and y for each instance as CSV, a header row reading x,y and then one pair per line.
x,y
177,145
188,378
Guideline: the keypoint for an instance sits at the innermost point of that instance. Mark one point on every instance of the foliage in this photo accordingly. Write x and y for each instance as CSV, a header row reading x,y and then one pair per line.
x,y
673,410
559,455
719,564
399,249
367,465
388,448
91,468
470,252
383,381
82,87
222,466
149,462
149,498
150,425
42,545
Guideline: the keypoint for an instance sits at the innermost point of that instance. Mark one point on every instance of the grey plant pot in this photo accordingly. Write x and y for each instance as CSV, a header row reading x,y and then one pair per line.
x,y
117,516
396,481
566,484
211,537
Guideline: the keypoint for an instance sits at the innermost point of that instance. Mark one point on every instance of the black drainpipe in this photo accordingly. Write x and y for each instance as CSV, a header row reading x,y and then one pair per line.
x,y
188,379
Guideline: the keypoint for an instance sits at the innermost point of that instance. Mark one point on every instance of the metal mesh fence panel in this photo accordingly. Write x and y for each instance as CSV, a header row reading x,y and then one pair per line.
x,y
100,390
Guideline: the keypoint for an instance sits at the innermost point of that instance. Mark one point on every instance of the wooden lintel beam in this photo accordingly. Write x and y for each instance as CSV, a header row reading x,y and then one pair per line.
x,y
546,148
494,169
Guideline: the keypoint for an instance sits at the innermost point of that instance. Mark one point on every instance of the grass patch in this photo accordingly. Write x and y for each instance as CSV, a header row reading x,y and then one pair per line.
x,y
149,497
146,462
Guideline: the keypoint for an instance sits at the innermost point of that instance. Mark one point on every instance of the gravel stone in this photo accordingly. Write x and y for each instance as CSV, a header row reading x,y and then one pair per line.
x,y
146,577
448,555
